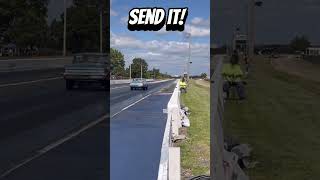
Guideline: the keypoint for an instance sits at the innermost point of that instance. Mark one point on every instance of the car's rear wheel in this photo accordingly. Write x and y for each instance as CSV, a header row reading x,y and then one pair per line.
x,y
106,85
131,88
69,84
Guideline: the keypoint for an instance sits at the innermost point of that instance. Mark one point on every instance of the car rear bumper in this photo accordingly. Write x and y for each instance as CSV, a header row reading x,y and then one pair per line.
x,y
84,77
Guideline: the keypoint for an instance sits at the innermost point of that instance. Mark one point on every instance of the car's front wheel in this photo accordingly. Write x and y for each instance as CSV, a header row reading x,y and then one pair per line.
x,y
106,85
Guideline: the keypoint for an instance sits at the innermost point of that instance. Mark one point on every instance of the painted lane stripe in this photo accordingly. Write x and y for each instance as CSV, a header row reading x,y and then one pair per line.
x,y
54,145
29,82
120,87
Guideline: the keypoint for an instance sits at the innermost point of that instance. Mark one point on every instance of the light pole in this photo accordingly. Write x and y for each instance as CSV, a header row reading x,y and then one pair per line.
x,y
251,26
101,27
188,35
251,12
101,50
65,29
141,69
130,71
100,9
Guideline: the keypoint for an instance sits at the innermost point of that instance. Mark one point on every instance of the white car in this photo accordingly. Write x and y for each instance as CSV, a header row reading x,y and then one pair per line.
x,y
139,84
87,67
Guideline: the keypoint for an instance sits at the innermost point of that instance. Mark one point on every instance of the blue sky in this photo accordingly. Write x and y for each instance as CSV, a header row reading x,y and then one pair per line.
x,y
165,50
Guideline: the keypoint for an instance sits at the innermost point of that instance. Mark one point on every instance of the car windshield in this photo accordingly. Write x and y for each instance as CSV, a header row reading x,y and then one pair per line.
x,y
90,59
137,80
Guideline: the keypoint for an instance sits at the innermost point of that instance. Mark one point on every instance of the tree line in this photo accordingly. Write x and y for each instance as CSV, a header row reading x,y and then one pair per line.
x,y
24,23
119,71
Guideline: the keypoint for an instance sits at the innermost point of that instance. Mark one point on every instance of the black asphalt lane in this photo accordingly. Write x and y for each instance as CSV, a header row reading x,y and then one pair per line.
x,y
123,93
36,114
86,157
136,139
23,76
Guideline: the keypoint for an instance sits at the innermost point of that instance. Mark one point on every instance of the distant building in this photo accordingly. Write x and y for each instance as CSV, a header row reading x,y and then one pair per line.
x,y
312,54
313,51
8,50
239,42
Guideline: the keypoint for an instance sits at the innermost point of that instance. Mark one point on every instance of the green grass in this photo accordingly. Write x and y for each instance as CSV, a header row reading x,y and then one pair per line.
x,y
281,121
195,151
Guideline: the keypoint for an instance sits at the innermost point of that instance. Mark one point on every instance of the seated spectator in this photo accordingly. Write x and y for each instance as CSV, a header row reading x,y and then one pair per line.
x,y
183,85
233,75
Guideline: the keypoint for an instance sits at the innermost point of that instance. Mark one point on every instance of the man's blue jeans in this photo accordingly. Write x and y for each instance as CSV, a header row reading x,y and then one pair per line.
x,y
239,87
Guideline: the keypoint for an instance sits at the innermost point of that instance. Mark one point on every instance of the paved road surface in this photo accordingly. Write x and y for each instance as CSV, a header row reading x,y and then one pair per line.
x,y
40,121
136,139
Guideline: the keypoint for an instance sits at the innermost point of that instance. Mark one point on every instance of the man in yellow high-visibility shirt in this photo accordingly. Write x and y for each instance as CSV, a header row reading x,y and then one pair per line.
x,y
183,85
233,75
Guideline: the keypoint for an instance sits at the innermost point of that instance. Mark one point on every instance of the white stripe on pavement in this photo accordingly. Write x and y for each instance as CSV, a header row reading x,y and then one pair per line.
x,y
29,82
120,87
54,145
37,59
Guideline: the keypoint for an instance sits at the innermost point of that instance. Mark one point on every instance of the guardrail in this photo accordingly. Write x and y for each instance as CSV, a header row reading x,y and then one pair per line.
x,y
169,167
126,81
217,170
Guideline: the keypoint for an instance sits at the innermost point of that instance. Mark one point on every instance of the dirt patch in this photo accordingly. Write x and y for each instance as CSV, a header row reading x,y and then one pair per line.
x,y
186,174
298,67
182,131
203,83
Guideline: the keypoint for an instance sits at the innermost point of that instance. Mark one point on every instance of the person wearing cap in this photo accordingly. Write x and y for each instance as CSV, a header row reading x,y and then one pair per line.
x,y
183,85
233,75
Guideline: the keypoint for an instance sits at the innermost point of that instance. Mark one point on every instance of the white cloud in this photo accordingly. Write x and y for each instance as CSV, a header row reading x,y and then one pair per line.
x,y
197,31
198,21
124,20
162,30
169,56
125,42
112,12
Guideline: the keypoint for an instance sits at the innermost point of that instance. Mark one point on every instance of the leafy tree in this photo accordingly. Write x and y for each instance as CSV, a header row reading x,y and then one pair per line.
x,y
156,73
83,26
136,68
117,62
299,43
24,22
203,75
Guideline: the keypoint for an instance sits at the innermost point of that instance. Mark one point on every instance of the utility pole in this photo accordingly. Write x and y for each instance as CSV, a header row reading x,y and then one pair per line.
x,y
188,70
130,71
65,29
101,27
251,26
141,69
251,12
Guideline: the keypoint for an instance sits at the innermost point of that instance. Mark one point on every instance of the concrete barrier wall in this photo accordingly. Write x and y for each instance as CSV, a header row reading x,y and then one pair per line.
x,y
169,167
120,81
217,170
12,65
125,81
